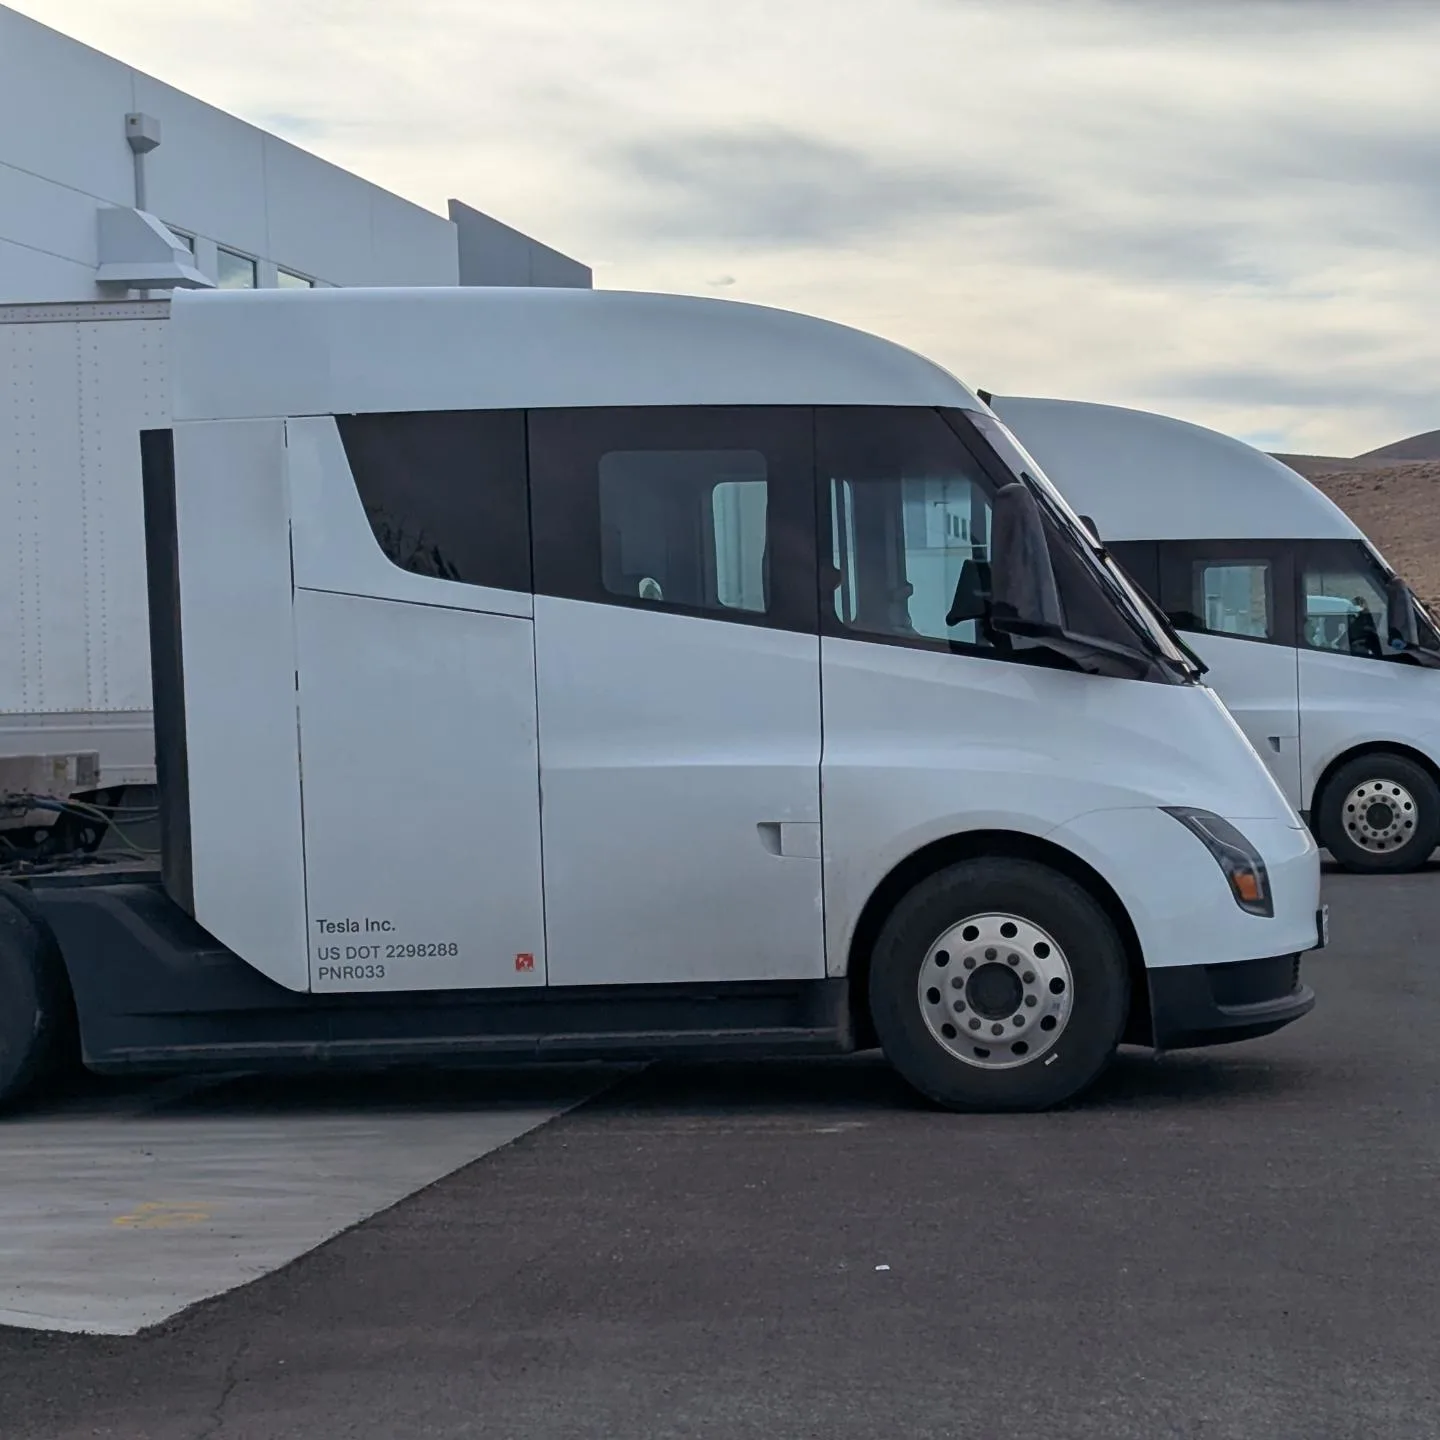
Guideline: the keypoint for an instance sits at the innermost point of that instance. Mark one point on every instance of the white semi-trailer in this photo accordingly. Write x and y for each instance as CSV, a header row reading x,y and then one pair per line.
x,y
78,383
570,673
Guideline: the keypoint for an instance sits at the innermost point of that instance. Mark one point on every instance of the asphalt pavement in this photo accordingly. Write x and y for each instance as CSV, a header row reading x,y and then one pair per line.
x,y
1236,1245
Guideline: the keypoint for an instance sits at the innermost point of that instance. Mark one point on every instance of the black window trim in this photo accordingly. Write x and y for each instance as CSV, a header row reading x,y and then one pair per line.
x,y
1176,560
568,567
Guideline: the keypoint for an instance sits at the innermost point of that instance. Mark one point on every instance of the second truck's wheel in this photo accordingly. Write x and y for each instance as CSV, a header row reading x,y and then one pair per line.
x,y
999,984
34,1007
1379,813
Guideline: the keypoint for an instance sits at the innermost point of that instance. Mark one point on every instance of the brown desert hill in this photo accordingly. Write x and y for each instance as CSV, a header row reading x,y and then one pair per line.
x,y
1417,447
1396,502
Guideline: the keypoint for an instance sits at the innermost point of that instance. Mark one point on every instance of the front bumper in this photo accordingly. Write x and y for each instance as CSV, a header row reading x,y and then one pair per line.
x,y
1195,1005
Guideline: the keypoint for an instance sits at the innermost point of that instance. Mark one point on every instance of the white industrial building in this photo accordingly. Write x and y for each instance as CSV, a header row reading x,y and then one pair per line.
x,y
114,189
245,207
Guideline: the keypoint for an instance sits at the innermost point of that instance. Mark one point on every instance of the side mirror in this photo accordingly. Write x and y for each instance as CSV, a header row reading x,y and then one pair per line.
x,y
1022,578
1091,526
1400,622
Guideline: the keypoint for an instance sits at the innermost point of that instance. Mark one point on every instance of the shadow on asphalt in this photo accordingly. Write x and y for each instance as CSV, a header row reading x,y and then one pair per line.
x,y
1136,1080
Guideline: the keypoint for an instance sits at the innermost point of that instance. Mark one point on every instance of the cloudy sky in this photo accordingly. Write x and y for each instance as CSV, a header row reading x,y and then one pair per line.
x,y
1227,210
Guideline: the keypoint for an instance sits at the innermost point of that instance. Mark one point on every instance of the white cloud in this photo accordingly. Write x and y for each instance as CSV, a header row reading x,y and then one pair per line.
x,y
1225,210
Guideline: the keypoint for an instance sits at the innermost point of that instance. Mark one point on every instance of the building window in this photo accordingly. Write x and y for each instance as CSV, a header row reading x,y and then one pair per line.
x,y
444,492
288,280
234,272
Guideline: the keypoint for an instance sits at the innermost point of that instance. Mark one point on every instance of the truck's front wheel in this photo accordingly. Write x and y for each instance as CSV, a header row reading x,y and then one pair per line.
x,y
34,1009
999,984
1379,813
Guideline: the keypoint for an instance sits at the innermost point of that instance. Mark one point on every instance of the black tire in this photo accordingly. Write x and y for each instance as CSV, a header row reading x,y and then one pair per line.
x,y
1413,801
36,1014
1032,893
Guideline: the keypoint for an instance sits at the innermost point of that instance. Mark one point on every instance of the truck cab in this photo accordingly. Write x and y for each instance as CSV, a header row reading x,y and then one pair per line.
x,y
1317,646
571,673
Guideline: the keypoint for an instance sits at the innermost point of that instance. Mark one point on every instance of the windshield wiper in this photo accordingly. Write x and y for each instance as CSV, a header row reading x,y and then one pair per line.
x,y
1196,667
1114,581
1088,652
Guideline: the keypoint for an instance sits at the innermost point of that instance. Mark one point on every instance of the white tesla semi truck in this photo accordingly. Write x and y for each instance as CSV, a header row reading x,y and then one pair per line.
x,y
1316,645
584,674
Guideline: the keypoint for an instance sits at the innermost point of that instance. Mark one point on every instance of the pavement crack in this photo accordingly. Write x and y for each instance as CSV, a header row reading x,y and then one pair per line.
x,y
231,1378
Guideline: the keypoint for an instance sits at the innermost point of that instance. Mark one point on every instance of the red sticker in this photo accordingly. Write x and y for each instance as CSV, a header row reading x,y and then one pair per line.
x,y
524,962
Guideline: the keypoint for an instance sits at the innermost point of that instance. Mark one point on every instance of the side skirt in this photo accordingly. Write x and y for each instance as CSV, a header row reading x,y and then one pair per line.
x,y
154,991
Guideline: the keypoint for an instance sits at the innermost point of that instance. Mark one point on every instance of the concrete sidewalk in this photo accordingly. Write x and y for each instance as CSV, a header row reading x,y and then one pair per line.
x,y
114,1217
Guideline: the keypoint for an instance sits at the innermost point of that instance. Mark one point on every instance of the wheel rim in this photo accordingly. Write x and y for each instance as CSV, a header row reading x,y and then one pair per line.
x,y
1379,816
996,991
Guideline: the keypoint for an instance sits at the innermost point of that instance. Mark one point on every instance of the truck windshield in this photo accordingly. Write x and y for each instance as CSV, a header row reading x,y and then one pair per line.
x,y
1425,623
1140,614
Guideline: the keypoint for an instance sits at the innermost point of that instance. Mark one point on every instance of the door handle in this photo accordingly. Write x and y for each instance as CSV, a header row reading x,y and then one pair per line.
x,y
798,838
1275,743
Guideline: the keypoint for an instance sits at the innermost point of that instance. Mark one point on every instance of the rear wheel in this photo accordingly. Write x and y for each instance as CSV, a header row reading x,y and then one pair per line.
x,y
1380,813
999,984
35,1011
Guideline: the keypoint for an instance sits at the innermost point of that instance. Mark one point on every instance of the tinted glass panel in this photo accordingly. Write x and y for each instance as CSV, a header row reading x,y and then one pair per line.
x,y
910,522
909,525
1233,598
1343,599
445,492
703,510
685,527
1240,588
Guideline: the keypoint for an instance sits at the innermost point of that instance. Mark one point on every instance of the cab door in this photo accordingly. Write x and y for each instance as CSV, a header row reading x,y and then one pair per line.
x,y
1235,602
415,692
1353,688
678,683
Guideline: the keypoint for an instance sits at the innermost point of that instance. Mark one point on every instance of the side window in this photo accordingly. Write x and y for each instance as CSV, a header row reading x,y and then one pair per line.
x,y
444,491
706,511
1228,587
1344,601
909,520
685,527
1233,597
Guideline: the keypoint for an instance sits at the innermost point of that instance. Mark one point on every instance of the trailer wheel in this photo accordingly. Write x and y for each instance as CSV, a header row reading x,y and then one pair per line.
x,y
999,984
1380,813
35,1010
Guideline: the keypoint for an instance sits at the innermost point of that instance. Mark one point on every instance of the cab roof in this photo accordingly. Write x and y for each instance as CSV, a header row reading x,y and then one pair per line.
x,y
247,354
1142,476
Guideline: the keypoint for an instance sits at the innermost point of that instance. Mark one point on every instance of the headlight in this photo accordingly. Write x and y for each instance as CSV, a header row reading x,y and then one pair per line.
x,y
1235,855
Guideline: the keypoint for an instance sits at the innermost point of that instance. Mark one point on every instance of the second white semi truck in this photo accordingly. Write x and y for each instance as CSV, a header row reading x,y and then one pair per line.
x,y
1319,649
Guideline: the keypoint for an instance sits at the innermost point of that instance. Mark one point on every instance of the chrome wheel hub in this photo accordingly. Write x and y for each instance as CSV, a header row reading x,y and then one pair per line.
x,y
996,991
1379,816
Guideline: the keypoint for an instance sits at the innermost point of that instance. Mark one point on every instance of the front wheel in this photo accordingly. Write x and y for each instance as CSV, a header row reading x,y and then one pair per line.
x,y
999,984
1380,813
